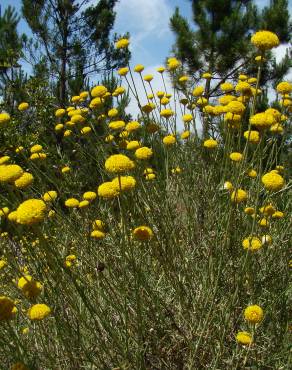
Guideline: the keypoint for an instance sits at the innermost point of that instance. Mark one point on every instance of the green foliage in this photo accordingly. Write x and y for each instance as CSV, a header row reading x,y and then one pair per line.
x,y
220,39
75,38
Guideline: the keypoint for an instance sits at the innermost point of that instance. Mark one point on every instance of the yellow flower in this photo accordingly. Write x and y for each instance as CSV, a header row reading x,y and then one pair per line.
x,y
65,169
84,94
98,225
252,243
143,153
210,143
3,263
10,172
70,260
97,234
142,233
4,211
124,183
132,126
112,112
7,308
139,68
160,69
278,214
173,63
226,99
31,211
252,173
50,196
198,91
118,163
244,338
38,311
148,78
77,118
252,80
164,101
150,176
183,79
12,216
207,75
23,106
284,87
67,133
24,180
36,148
107,190
226,87
122,43
4,118
89,195
263,222
59,127
83,204
116,125
86,130
98,91
60,112
262,120
166,113
123,71
253,314
265,40
243,87
277,128
273,181
187,117
72,203
133,145
95,103
30,287
228,185
169,140
201,102
109,138
75,99
236,157
239,196
19,149
235,107
249,211
252,136
268,210
185,135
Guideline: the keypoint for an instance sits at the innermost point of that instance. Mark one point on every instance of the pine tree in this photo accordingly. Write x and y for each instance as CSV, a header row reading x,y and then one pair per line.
x,y
220,41
75,38
10,52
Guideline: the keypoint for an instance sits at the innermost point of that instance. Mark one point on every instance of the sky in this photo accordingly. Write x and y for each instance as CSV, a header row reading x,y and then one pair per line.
x,y
147,21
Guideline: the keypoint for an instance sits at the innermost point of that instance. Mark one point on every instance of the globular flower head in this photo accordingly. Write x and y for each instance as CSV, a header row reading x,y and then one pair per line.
x,y
284,87
142,233
98,91
244,338
273,181
9,173
122,43
38,312
238,196
118,163
50,196
4,118
252,136
124,183
24,180
107,190
169,140
253,314
23,106
236,157
31,211
252,243
143,153
235,107
72,203
139,68
265,40
210,143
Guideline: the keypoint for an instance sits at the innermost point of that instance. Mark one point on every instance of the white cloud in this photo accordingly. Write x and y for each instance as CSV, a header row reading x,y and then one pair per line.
x,y
146,20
